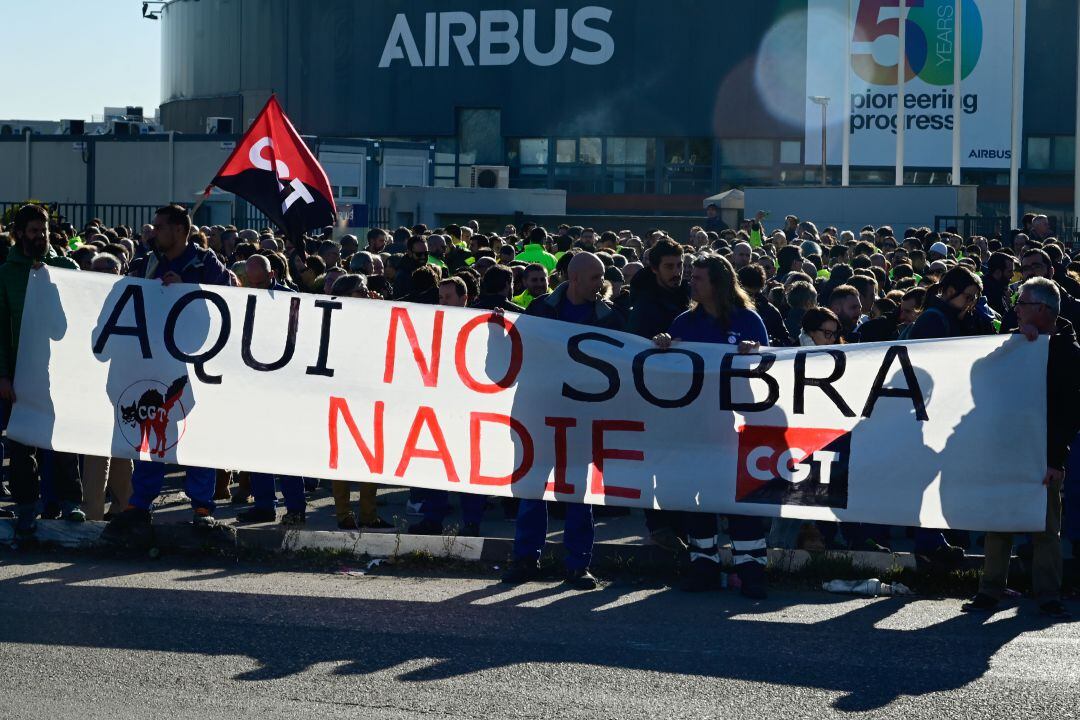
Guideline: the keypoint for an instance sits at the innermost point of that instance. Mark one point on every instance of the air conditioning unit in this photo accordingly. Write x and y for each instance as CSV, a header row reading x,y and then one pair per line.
x,y
72,127
219,126
122,128
490,176
134,112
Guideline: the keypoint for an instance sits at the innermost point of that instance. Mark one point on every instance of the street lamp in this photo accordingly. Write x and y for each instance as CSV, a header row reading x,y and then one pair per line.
x,y
824,103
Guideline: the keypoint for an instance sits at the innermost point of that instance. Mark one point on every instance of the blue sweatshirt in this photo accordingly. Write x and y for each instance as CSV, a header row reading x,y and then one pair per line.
x,y
698,326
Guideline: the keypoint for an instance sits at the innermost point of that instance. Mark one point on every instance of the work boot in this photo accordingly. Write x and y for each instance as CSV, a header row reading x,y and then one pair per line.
x,y
257,515
581,579
348,523
1055,610
377,524
703,576
294,518
25,521
980,603
132,524
752,577
6,514
522,570
73,513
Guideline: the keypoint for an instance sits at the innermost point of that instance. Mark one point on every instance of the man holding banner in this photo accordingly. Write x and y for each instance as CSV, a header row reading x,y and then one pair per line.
x,y
175,260
576,301
1038,313
31,249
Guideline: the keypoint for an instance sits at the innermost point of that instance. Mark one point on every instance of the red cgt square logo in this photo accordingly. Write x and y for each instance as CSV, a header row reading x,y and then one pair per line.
x,y
793,466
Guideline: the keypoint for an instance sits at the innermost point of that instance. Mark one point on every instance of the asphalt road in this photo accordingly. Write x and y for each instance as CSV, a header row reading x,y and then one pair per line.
x,y
85,637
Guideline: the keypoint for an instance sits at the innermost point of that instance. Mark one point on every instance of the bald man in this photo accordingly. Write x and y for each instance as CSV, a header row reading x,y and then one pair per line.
x,y
579,301
258,274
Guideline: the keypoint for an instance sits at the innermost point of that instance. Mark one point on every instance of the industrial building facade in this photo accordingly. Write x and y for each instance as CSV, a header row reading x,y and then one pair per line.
x,y
628,105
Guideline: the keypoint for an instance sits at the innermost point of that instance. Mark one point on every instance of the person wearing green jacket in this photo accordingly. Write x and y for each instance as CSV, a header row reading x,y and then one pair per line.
x,y
534,251
535,280
31,251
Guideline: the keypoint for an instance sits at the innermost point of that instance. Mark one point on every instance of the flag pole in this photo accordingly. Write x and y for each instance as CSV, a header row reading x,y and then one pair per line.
x,y
1017,110
901,80
958,76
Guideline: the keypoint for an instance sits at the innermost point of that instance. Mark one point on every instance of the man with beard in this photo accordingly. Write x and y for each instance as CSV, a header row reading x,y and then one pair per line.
x,y
846,302
31,251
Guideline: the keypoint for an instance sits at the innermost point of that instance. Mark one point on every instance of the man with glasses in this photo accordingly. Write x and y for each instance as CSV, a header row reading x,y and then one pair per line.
x,y
1037,312
416,256
1036,263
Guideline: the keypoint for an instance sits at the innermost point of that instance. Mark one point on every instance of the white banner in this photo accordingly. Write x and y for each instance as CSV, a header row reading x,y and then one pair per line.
x,y
934,433
873,30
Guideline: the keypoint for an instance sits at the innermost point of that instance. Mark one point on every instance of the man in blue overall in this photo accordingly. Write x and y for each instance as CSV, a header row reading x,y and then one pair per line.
x,y
576,301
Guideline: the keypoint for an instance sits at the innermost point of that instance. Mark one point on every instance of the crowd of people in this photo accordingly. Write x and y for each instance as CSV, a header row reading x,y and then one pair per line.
x,y
793,285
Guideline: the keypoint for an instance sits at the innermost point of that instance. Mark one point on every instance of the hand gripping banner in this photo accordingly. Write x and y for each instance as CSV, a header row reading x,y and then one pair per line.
x,y
948,433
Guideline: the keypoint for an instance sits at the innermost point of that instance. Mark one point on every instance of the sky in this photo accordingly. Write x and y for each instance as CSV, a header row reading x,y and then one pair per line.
x,y
86,55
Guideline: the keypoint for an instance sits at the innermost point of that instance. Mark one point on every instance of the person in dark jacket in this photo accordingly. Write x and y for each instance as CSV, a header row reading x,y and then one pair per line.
x,y
260,276
415,258
31,251
945,315
658,294
495,289
1037,312
723,314
175,260
996,281
752,278
576,301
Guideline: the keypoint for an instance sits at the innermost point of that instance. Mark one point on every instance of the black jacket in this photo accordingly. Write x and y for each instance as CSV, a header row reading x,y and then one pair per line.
x,y
602,314
1062,393
997,295
774,322
490,301
652,307
881,329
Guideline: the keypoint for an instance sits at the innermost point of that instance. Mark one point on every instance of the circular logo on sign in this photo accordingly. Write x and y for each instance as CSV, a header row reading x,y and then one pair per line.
x,y
151,415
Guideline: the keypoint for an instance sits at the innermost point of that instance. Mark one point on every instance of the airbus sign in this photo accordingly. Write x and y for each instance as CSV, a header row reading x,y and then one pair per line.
x,y
499,37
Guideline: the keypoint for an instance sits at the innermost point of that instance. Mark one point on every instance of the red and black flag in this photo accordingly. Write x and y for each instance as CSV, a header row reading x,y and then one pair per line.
x,y
275,171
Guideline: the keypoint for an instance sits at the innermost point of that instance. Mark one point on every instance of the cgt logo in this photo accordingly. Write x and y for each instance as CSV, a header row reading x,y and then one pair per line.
x,y
152,417
793,466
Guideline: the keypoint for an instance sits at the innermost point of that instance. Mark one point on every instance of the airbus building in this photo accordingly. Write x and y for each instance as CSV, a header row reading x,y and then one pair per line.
x,y
646,107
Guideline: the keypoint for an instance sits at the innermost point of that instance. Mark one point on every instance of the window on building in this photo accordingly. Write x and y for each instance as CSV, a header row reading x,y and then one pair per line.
x,y
630,165
446,172
1064,157
1038,153
688,166
565,151
590,151
790,152
528,161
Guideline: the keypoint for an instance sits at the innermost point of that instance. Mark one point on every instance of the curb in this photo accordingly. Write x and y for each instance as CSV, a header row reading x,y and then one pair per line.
x,y
228,538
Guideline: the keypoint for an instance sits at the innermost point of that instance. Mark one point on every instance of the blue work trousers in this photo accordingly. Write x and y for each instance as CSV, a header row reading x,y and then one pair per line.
x,y
148,477
265,494
531,533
